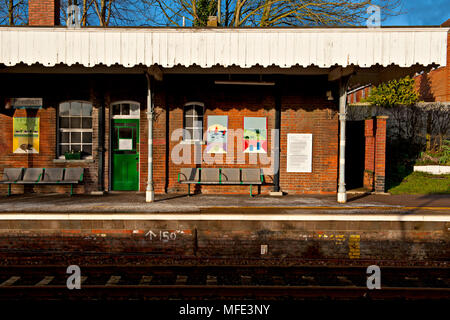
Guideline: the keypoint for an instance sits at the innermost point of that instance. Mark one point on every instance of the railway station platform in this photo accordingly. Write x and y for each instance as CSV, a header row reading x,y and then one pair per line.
x,y
135,203
411,229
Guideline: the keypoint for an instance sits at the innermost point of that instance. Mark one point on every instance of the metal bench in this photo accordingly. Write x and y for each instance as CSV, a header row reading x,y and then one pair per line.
x,y
221,176
39,176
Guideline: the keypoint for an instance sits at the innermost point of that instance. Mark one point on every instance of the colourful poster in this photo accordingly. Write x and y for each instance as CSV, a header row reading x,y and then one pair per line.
x,y
217,134
26,135
255,134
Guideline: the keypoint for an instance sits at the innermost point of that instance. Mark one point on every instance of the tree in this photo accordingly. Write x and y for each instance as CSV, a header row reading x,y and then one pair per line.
x,y
13,12
270,13
394,93
106,12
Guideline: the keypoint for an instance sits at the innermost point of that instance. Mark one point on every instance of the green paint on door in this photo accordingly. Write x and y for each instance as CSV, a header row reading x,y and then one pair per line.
x,y
125,158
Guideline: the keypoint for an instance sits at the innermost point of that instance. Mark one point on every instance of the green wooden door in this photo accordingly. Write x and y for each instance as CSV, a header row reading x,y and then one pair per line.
x,y
125,154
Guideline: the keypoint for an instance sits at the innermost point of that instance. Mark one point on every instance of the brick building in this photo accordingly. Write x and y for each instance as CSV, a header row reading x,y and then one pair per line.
x,y
98,90
432,86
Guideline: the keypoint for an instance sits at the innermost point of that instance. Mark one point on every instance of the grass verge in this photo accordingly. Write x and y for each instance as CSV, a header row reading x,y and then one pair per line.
x,y
423,183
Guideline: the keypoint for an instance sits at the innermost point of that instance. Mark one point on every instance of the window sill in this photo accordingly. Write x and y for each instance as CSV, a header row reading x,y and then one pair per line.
x,y
73,161
193,142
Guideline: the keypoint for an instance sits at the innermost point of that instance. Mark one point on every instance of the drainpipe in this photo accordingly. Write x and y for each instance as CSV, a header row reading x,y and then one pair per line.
x,y
150,192
343,85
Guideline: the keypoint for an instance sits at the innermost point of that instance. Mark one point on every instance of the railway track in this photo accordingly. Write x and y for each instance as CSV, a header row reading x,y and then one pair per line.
x,y
152,282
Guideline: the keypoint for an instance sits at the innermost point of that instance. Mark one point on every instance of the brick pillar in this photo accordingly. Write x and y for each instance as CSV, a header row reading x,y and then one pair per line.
x,y
369,158
380,154
43,12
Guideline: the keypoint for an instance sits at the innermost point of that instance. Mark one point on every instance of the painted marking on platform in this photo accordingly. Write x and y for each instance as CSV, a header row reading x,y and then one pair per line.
x,y
113,280
45,281
354,246
230,217
10,281
181,280
145,280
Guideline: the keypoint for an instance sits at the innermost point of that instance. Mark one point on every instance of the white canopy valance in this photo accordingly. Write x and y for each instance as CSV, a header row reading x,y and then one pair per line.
x,y
244,48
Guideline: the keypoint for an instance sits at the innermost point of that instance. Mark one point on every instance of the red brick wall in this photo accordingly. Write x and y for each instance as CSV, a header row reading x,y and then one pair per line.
x,y
236,102
47,151
298,117
43,12
375,154
304,109
369,159
380,154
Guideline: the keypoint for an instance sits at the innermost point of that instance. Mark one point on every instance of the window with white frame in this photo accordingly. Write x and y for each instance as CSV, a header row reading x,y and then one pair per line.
x,y
193,121
126,110
75,128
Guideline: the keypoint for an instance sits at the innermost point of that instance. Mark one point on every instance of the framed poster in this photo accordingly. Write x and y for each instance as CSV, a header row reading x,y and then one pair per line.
x,y
25,135
255,134
216,135
299,152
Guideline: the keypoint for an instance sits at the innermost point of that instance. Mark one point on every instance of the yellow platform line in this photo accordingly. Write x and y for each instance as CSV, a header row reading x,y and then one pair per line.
x,y
326,208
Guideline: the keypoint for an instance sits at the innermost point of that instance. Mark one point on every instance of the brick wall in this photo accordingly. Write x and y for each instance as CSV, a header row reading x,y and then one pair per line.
x,y
435,85
375,154
52,90
304,109
369,158
355,241
43,12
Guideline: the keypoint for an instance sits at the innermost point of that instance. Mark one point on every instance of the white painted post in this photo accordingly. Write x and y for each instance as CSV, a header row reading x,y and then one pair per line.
x,y
343,83
150,192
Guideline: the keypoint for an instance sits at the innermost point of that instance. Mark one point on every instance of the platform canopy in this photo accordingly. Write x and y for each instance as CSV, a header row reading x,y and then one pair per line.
x,y
243,48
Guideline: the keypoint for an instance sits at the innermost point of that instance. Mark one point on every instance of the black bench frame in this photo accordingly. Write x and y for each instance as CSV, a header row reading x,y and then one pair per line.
x,y
241,182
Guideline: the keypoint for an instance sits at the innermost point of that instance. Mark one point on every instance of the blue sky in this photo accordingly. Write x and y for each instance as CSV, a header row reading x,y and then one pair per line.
x,y
421,12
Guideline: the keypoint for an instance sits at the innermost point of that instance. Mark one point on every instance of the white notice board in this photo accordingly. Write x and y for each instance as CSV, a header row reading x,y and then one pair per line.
x,y
299,152
125,144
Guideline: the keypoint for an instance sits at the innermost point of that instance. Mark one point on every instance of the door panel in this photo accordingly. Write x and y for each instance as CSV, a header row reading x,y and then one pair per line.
x,y
125,154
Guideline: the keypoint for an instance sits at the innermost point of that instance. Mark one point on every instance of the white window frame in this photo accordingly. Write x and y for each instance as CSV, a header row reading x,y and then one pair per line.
x,y
194,103
125,116
61,130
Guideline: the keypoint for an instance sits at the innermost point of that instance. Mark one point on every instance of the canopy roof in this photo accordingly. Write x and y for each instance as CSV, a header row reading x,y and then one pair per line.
x,y
244,48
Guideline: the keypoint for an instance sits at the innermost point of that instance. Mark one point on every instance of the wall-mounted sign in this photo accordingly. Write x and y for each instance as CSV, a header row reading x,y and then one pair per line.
x,y
26,103
217,134
125,144
299,152
255,134
25,135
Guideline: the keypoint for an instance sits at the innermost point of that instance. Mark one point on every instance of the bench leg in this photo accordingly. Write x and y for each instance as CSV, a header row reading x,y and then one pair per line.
x,y
251,193
9,189
71,189
189,190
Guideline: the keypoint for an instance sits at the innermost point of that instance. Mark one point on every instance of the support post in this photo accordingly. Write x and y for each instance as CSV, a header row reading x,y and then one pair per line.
x,y
343,84
149,192
101,145
276,143
218,11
